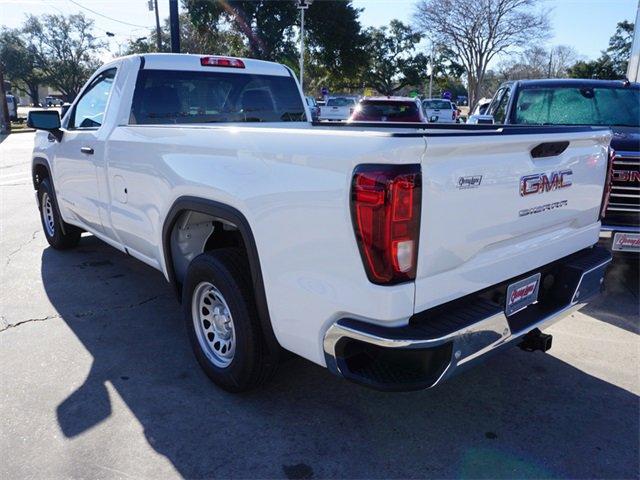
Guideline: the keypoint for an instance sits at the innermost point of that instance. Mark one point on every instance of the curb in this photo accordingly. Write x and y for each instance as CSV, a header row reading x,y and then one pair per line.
x,y
23,130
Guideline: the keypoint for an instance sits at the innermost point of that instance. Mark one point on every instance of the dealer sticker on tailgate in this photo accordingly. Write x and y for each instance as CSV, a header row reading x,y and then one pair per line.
x,y
522,294
626,242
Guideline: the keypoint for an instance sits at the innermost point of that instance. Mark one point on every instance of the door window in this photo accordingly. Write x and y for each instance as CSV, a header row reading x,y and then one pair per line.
x,y
500,113
495,101
89,111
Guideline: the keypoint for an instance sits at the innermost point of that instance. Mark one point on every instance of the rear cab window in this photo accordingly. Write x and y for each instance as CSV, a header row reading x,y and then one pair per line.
x,y
341,102
182,97
372,110
437,105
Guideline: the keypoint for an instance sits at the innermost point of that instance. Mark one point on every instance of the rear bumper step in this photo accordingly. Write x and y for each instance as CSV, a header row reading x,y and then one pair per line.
x,y
444,340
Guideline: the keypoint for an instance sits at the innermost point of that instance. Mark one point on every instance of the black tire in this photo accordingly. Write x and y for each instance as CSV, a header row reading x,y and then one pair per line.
x,y
228,271
54,234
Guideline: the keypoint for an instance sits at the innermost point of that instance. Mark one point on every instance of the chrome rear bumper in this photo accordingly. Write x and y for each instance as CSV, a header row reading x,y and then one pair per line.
x,y
443,341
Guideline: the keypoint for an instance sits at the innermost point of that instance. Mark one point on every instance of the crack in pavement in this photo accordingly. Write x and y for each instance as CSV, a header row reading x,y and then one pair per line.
x,y
22,322
33,237
89,313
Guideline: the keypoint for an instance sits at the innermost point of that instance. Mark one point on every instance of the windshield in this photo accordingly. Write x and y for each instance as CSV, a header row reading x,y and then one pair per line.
x,y
177,97
607,106
437,105
340,102
387,112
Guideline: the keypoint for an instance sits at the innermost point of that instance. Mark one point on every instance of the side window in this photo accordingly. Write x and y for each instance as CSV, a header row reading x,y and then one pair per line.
x,y
500,112
89,111
495,101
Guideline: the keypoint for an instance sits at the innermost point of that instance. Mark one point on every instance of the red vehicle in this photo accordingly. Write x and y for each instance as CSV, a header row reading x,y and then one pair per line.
x,y
388,109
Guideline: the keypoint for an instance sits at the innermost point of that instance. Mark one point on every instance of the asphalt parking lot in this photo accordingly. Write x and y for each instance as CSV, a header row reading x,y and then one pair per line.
x,y
97,380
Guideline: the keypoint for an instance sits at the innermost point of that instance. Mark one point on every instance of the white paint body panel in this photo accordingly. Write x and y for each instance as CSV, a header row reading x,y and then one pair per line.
x,y
292,183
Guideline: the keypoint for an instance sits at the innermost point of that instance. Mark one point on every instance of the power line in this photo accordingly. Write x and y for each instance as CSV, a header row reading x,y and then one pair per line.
x,y
107,17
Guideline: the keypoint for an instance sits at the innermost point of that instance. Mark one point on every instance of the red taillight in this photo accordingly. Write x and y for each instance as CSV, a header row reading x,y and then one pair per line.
x,y
385,209
453,115
228,62
607,184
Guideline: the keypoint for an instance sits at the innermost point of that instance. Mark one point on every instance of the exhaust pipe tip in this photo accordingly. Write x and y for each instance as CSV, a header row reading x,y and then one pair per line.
x,y
536,340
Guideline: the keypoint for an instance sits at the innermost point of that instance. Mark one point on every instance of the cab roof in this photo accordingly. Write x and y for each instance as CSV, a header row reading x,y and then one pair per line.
x,y
191,62
573,82
388,99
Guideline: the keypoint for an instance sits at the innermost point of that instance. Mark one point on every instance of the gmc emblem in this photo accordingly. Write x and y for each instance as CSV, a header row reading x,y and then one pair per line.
x,y
626,176
541,182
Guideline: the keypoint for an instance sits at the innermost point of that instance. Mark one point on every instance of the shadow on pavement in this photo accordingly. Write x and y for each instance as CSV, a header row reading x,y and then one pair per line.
x,y
620,304
518,415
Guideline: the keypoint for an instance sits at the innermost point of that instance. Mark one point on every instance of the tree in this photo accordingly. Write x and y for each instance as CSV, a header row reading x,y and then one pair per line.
x,y
335,41
393,64
219,41
266,25
539,62
477,32
602,68
612,63
64,49
18,62
620,47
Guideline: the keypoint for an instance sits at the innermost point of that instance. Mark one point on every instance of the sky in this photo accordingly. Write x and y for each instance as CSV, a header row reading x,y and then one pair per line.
x,y
586,25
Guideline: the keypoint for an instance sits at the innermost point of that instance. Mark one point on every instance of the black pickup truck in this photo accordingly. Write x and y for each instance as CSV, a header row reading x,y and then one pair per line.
x,y
615,103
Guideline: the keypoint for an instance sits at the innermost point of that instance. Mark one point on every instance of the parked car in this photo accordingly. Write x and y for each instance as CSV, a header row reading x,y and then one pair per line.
x,y
12,106
53,101
394,255
313,108
439,110
388,109
477,116
338,108
615,104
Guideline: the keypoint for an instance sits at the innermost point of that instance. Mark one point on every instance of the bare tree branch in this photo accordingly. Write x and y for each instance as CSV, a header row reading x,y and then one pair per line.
x,y
476,32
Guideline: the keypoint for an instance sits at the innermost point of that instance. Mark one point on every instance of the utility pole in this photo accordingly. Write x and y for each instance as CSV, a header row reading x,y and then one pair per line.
x,y
174,22
5,122
302,6
431,73
158,31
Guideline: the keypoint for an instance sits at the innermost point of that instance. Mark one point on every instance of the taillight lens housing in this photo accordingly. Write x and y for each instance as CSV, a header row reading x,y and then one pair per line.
x,y
606,194
385,210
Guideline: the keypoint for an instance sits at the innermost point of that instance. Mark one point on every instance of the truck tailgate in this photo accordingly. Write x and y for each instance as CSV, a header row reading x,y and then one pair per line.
x,y
480,228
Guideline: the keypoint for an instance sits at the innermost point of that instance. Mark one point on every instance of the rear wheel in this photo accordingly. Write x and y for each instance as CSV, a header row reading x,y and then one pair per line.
x,y
59,234
222,321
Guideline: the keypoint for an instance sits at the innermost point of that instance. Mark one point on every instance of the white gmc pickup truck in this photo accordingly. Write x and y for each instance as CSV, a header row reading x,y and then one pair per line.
x,y
394,255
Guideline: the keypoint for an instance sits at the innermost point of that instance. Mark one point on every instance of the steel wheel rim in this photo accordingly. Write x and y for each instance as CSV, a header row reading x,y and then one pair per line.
x,y
213,324
47,215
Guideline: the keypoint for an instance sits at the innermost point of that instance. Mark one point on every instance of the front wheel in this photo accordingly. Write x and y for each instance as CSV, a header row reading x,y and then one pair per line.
x,y
222,321
59,234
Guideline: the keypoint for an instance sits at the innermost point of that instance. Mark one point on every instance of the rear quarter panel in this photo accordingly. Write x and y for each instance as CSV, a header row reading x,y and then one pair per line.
x,y
292,185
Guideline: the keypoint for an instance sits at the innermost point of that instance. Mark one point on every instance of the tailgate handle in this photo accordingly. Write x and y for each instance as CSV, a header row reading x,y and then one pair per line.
x,y
549,149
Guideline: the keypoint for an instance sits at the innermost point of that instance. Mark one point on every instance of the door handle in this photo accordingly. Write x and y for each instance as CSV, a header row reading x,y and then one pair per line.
x,y
87,150
549,149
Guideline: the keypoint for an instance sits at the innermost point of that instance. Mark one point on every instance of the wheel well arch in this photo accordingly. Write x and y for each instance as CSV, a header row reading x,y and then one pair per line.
x,y
39,171
240,234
